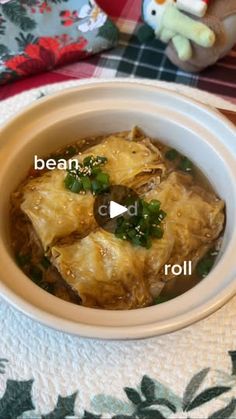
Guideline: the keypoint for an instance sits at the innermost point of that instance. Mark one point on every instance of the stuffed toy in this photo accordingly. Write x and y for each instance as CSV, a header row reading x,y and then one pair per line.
x,y
197,7
198,32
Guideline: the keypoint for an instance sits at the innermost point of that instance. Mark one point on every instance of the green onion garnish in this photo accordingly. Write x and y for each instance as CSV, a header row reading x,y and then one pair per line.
x,y
23,260
45,262
157,232
181,162
141,228
161,299
171,154
206,264
86,183
70,152
185,165
69,180
36,274
76,186
88,177
103,178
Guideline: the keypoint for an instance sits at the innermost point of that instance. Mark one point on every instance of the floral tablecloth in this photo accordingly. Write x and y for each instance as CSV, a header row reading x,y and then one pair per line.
x,y
46,374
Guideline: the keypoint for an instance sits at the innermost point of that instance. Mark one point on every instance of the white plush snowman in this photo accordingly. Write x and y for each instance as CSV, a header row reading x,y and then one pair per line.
x,y
153,12
171,24
189,35
195,7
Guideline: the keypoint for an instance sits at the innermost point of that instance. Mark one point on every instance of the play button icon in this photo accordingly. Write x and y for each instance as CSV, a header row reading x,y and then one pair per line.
x,y
117,201
116,209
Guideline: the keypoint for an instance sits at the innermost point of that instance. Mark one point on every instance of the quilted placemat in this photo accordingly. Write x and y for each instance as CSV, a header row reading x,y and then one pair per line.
x,y
46,374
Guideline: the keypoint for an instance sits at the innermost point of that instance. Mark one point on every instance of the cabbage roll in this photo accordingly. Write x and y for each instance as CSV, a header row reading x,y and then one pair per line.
x,y
108,272
56,212
194,216
127,159
111,273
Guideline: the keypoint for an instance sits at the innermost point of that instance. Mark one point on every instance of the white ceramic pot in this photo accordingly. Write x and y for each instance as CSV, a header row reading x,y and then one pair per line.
x,y
202,134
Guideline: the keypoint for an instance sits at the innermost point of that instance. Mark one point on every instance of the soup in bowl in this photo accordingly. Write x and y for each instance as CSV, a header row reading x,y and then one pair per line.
x,y
154,269
166,245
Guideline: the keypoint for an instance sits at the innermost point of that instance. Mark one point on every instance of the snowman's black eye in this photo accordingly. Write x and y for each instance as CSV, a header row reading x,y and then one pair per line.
x,y
154,12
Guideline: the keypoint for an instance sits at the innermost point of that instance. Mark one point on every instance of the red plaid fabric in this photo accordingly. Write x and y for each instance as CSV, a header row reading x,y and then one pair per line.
x,y
132,59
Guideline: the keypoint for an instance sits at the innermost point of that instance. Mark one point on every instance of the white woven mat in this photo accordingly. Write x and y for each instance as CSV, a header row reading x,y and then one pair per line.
x,y
98,371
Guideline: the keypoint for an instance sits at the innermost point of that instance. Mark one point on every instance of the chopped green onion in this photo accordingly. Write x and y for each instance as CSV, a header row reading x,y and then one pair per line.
x,y
132,233
205,266
147,242
70,151
73,165
68,181
86,183
121,236
141,228
36,274
162,214
45,262
76,186
171,154
154,206
136,241
101,160
96,170
157,232
23,260
88,177
96,186
160,300
185,165
120,221
144,222
103,178
88,160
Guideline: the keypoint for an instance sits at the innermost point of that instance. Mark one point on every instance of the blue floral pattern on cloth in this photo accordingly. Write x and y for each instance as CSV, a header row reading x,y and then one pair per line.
x,y
148,400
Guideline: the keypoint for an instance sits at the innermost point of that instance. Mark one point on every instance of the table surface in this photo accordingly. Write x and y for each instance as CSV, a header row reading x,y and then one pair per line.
x,y
132,59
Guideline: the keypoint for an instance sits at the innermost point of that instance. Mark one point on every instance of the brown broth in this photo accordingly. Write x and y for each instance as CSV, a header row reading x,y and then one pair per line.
x,y
28,250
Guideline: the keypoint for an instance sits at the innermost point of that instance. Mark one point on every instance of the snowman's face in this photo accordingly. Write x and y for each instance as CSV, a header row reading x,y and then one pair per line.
x,y
153,11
